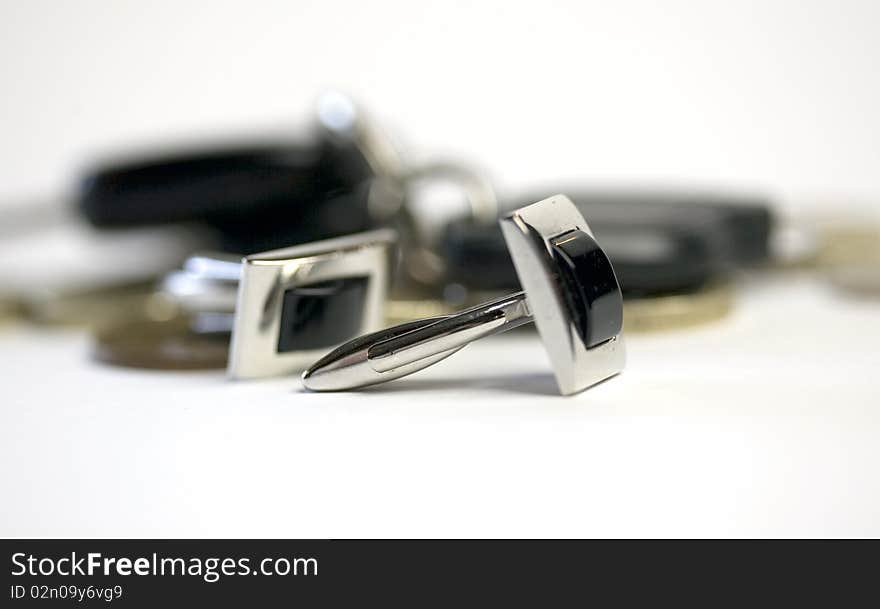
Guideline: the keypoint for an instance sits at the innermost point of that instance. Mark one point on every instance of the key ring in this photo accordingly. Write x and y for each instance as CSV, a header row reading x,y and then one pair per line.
x,y
391,191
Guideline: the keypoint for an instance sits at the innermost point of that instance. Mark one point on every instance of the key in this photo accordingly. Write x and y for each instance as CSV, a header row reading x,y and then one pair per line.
x,y
659,243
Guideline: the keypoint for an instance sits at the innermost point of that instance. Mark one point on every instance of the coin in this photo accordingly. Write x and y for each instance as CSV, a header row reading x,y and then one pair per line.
x,y
850,257
96,306
161,345
678,311
10,309
399,310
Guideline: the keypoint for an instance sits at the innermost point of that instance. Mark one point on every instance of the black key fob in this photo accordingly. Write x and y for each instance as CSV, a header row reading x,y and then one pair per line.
x,y
258,197
658,242
742,224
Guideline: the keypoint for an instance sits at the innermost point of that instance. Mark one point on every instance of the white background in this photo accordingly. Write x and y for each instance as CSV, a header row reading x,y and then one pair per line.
x,y
765,424
775,95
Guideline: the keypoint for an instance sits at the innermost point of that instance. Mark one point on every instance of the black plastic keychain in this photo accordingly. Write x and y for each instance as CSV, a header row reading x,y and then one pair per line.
x,y
659,242
257,196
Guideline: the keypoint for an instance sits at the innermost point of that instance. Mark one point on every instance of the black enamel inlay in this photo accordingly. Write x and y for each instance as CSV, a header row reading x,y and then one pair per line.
x,y
591,287
322,315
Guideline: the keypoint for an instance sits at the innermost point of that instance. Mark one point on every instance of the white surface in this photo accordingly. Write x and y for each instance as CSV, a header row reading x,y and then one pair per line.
x,y
766,424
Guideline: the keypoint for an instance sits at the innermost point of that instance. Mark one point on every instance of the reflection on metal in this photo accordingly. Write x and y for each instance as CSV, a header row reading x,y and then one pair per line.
x,y
571,293
258,333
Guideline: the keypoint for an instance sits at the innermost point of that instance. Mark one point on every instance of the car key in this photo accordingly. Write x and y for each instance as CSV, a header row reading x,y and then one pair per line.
x,y
659,243
257,196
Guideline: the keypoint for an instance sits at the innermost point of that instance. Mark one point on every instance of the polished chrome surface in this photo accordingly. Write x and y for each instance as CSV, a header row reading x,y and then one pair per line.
x,y
207,283
529,232
265,278
395,352
349,366
402,350
450,333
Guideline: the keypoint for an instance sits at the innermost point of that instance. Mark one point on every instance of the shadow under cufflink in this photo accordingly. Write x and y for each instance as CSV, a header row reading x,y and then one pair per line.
x,y
529,384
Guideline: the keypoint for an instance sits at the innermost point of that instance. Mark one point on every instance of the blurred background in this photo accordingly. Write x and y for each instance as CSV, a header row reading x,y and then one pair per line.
x,y
764,423
779,96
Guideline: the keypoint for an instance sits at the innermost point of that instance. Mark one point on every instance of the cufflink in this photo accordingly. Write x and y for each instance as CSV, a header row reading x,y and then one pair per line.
x,y
296,303
570,291
286,307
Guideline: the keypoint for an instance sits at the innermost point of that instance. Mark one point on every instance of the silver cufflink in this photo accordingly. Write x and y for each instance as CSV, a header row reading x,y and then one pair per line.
x,y
287,307
570,291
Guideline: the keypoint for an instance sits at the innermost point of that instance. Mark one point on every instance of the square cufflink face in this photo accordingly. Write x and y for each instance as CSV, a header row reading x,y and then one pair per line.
x,y
296,304
571,289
